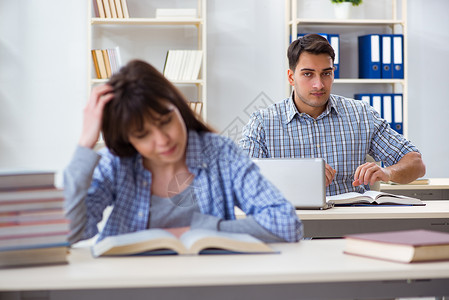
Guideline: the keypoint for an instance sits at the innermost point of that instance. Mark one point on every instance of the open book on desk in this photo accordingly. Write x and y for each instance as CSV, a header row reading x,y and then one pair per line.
x,y
373,197
197,241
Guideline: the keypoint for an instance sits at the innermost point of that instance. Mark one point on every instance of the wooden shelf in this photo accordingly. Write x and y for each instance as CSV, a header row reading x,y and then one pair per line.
x,y
113,30
198,81
369,81
351,22
147,21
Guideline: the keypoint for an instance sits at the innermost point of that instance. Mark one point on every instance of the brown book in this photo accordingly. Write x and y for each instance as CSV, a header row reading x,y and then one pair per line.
x,y
400,246
107,63
101,64
96,66
34,256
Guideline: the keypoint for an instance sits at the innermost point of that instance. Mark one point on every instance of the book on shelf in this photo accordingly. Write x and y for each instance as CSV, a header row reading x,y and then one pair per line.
x,y
176,13
24,179
124,5
113,9
373,197
196,107
99,64
400,246
106,62
197,241
116,9
50,254
96,64
183,64
99,8
107,9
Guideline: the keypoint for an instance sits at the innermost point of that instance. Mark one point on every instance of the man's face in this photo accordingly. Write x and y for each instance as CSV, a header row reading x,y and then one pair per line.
x,y
312,82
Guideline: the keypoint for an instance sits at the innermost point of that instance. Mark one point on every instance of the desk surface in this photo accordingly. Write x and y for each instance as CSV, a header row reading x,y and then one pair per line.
x,y
309,261
432,209
434,184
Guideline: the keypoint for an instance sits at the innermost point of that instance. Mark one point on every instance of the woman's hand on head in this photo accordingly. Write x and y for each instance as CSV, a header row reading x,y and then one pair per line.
x,y
93,114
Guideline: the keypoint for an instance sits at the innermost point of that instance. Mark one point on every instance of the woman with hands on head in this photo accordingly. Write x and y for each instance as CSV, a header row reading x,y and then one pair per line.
x,y
162,167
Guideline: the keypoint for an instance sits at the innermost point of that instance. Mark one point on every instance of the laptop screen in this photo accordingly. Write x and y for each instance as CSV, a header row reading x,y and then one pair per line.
x,y
300,180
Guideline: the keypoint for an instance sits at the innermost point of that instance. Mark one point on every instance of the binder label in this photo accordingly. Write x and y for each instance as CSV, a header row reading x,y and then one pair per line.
x,y
375,48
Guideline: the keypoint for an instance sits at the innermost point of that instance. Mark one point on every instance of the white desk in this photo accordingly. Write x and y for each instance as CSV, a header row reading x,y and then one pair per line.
x,y
437,189
313,269
339,221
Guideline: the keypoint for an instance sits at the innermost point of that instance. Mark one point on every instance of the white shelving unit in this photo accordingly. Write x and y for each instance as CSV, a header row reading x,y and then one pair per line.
x,y
123,28
396,24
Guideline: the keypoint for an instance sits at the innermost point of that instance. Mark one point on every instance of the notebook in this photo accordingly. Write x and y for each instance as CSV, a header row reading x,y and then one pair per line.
x,y
301,180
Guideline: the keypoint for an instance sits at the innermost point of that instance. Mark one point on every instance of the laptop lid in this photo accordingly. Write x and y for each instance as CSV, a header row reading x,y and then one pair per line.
x,y
301,180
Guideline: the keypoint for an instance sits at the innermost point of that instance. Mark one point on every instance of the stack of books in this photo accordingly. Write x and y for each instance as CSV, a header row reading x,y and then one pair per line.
x,y
33,227
106,62
115,9
183,64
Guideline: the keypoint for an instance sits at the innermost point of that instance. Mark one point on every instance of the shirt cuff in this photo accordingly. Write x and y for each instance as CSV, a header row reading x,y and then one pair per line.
x,y
203,221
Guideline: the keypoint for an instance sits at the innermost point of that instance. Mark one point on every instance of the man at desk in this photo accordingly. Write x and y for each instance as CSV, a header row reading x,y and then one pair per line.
x,y
312,122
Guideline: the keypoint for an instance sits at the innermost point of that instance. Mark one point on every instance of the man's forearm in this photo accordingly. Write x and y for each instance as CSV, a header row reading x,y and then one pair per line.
x,y
409,168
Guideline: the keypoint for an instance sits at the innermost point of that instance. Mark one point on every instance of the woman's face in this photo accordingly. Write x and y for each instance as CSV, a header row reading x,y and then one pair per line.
x,y
162,140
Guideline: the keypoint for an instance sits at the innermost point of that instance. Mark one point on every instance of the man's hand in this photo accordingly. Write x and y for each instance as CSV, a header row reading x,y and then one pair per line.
x,y
330,174
369,173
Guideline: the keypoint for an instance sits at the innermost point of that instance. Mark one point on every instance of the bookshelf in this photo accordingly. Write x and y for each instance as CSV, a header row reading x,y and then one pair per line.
x,y
393,20
144,36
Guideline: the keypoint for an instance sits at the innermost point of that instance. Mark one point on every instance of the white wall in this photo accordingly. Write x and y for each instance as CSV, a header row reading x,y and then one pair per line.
x,y
43,74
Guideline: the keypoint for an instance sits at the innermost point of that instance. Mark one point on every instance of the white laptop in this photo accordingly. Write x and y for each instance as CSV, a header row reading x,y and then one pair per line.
x,y
301,180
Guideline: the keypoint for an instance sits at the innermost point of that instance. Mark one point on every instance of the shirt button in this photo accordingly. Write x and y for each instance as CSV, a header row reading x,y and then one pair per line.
x,y
318,145
204,165
144,183
140,214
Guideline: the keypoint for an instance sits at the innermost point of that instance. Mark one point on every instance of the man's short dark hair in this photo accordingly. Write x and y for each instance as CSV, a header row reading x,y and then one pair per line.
x,y
311,43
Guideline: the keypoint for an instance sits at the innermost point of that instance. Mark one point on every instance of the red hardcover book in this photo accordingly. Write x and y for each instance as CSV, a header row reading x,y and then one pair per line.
x,y
401,246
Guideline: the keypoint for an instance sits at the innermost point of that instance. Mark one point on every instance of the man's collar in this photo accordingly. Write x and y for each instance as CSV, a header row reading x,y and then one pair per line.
x,y
292,110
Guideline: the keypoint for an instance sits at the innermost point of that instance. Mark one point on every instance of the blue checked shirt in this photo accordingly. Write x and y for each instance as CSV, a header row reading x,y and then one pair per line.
x,y
224,177
342,135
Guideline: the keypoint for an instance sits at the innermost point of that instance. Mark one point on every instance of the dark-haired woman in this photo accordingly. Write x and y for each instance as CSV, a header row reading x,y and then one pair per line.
x,y
164,168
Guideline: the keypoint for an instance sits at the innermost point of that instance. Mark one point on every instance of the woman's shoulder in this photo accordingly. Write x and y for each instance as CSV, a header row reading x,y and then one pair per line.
x,y
210,145
215,140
